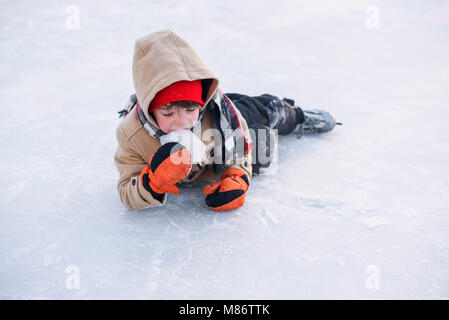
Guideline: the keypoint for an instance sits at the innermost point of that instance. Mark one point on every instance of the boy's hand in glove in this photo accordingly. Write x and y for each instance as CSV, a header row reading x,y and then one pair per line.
x,y
229,192
167,166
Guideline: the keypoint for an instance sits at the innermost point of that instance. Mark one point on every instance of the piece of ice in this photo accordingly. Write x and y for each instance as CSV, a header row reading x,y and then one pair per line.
x,y
189,140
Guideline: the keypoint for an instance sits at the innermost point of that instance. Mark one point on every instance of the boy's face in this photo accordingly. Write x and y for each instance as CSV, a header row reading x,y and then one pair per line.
x,y
171,117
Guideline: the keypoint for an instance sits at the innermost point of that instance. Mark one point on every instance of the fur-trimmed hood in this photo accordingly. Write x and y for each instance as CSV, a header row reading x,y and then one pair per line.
x,y
162,58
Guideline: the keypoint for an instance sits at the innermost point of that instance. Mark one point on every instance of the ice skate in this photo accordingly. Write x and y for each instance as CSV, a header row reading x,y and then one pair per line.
x,y
315,121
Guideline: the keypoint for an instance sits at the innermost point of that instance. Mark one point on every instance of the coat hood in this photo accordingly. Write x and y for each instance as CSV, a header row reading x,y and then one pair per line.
x,y
162,58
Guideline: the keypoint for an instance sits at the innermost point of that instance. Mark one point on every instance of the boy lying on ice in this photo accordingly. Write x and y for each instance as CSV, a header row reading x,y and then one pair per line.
x,y
180,127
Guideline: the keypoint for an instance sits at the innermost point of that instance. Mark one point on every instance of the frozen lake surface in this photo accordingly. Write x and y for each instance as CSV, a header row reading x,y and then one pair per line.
x,y
360,212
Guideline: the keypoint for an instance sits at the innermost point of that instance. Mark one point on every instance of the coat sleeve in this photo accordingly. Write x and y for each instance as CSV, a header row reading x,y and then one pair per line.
x,y
129,164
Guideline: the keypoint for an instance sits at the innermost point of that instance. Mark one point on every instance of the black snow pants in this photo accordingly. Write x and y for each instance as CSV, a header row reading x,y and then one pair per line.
x,y
266,112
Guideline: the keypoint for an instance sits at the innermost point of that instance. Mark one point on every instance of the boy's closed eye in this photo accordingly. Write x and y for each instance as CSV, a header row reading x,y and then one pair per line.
x,y
168,114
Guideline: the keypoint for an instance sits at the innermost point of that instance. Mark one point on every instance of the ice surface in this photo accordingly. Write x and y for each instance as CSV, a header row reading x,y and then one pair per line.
x,y
370,195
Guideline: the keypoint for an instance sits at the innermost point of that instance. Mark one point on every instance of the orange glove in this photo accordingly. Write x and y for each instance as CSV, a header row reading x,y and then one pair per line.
x,y
167,166
229,192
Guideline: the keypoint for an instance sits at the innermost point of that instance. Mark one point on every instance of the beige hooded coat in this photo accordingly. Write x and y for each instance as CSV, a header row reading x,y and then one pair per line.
x,y
160,59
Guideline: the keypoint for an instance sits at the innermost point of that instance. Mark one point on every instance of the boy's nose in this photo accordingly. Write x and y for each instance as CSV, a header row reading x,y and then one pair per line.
x,y
179,121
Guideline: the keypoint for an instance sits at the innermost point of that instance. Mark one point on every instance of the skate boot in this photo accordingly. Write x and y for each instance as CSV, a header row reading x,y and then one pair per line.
x,y
315,121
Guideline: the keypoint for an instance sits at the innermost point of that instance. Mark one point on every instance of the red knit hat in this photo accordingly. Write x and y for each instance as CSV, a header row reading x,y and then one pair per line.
x,y
178,91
